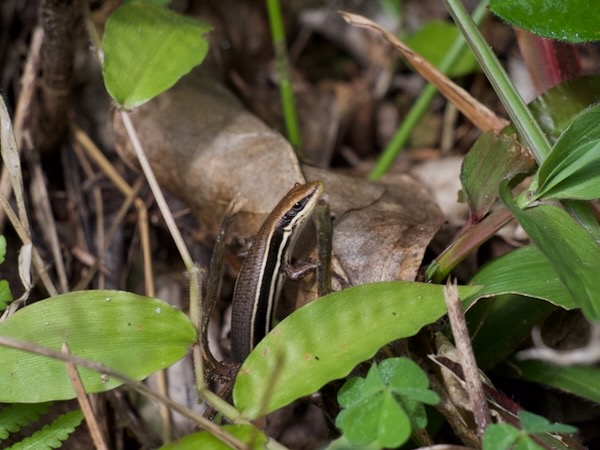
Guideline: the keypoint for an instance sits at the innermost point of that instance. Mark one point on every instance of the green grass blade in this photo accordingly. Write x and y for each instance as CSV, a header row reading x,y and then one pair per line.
x,y
527,127
283,70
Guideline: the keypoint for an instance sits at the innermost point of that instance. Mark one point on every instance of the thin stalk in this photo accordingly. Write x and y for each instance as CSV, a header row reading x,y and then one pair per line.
x,y
283,71
466,243
527,127
418,110
158,195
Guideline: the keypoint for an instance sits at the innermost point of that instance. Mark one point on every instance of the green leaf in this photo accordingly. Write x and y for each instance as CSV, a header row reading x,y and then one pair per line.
x,y
342,443
572,252
565,20
206,441
577,380
407,379
504,436
524,271
379,419
53,434
130,333
555,109
491,160
500,436
386,405
147,48
572,167
2,248
18,415
325,339
5,294
534,424
517,280
433,41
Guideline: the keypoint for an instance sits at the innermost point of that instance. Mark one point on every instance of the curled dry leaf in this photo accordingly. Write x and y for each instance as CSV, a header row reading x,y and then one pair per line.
x,y
380,230
205,147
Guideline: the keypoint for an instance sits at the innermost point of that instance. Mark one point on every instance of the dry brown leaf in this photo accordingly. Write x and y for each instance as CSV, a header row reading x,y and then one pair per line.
x,y
380,231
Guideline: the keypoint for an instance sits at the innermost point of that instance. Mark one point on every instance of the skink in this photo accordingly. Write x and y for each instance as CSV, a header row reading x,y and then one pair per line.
x,y
262,274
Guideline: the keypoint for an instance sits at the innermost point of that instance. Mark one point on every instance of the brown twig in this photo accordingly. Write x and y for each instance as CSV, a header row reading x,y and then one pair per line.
x,y
84,402
479,406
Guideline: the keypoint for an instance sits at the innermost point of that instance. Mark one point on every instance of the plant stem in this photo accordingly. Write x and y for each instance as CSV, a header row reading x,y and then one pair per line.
x,y
418,110
441,267
158,195
527,127
283,72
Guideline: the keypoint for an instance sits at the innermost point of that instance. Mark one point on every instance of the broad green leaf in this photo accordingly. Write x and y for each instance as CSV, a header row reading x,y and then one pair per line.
x,y
572,170
565,20
578,380
500,436
534,424
491,160
525,271
18,415
324,340
433,41
504,436
147,48
371,412
379,420
130,333
572,252
206,441
2,248
342,443
355,390
526,443
5,295
407,379
393,390
51,435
